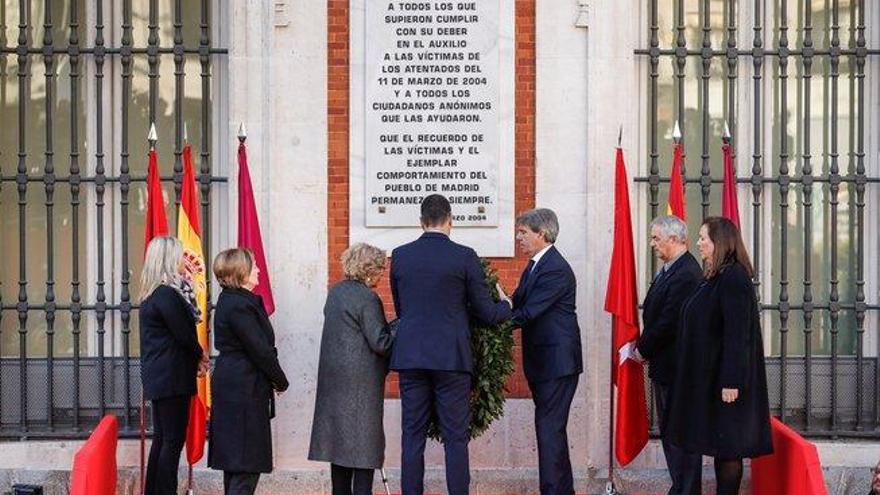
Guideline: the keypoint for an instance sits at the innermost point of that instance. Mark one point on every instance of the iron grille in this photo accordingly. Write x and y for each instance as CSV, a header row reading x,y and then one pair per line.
x,y
835,392
45,394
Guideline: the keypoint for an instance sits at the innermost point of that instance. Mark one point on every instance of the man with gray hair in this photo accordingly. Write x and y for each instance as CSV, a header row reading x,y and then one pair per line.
x,y
544,307
673,283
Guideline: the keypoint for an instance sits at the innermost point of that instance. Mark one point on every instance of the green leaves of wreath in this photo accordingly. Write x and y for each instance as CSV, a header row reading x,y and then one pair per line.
x,y
493,363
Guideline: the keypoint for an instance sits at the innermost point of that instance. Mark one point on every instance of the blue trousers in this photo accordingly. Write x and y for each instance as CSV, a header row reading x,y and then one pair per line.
x,y
447,393
552,404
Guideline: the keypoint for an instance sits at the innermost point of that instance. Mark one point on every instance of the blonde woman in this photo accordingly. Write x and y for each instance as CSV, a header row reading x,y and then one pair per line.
x,y
355,343
245,376
171,357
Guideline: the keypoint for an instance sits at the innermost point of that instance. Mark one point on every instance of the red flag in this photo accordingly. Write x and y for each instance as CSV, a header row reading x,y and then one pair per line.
x,y
156,224
621,300
190,234
729,206
676,204
249,229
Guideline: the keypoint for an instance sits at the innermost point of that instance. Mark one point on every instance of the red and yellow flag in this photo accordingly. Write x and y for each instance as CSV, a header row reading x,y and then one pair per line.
x,y
189,232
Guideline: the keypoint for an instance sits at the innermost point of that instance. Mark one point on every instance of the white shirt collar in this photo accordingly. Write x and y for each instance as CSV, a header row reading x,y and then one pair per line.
x,y
537,257
668,264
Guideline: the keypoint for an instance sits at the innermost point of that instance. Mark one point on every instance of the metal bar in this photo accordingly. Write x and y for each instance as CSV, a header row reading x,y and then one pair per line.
x,y
21,180
153,57
61,50
3,101
783,204
834,189
807,177
125,299
205,155
100,296
178,102
664,52
680,61
860,214
75,298
757,153
136,178
654,171
49,182
705,183
847,179
118,307
732,74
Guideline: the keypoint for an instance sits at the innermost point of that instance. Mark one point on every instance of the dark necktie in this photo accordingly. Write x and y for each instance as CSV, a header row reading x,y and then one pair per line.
x,y
527,272
660,273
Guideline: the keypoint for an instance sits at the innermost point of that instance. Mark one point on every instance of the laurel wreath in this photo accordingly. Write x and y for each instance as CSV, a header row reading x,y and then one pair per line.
x,y
493,364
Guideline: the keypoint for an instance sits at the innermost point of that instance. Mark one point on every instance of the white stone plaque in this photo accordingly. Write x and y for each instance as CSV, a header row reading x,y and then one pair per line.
x,y
432,110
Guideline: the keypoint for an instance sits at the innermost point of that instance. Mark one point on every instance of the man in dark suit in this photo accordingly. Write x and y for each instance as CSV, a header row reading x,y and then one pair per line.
x,y
437,285
544,307
673,283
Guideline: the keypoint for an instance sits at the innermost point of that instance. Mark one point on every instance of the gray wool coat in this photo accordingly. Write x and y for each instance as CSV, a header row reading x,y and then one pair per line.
x,y
356,340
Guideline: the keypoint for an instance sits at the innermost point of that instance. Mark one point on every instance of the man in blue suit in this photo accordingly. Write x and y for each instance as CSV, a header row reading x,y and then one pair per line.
x,y
544,307
437,285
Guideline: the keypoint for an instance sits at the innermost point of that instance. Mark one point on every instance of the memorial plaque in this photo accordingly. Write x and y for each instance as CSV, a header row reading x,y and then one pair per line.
x,y
431,116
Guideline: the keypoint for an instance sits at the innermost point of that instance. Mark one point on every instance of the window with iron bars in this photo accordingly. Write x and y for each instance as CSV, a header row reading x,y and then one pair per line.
x,y
80,83
796,81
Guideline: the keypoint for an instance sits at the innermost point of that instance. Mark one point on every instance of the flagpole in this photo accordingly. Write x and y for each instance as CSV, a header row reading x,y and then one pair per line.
x,y
189,478
609,486
151,138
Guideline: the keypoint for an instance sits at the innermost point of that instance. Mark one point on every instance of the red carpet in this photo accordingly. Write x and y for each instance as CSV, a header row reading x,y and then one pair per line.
x,y
94,465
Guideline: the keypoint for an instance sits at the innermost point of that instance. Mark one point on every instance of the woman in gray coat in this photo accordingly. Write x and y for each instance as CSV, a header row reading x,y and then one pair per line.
x,y
347,427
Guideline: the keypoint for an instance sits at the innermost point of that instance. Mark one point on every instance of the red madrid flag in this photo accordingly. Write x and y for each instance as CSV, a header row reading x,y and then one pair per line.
x,y
729,207
249,229
676,204
621,300
156,224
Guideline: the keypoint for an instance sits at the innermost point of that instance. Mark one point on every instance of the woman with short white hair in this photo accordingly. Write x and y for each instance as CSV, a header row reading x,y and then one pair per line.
x,y
171,357
355,343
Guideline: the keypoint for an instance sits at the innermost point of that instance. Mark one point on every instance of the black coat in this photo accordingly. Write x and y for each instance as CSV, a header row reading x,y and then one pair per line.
x,y
720,347
437,285
544,307
661,309
170,351
245,377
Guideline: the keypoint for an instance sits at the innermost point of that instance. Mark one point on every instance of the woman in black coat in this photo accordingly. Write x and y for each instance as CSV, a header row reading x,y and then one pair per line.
x,y
355,343
246,377
171,357
719,405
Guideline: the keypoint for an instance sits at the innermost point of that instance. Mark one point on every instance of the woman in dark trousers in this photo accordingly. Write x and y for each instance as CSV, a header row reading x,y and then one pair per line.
x,y
246,376
347,427
719,406
171,357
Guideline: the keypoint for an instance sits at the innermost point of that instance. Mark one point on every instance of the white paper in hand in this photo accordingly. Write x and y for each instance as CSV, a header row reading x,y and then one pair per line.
x,y
627,351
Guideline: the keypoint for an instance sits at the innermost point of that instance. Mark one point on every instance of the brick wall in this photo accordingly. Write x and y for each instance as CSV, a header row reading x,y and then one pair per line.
x,y
337,163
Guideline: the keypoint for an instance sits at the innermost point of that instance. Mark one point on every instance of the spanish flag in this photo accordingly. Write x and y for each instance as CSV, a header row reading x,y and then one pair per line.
x,y
190,234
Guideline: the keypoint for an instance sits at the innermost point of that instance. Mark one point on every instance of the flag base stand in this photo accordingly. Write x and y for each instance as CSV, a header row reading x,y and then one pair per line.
x,y
610,489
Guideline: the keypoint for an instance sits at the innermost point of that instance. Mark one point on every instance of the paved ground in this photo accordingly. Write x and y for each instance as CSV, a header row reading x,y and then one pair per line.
x,y
840,481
